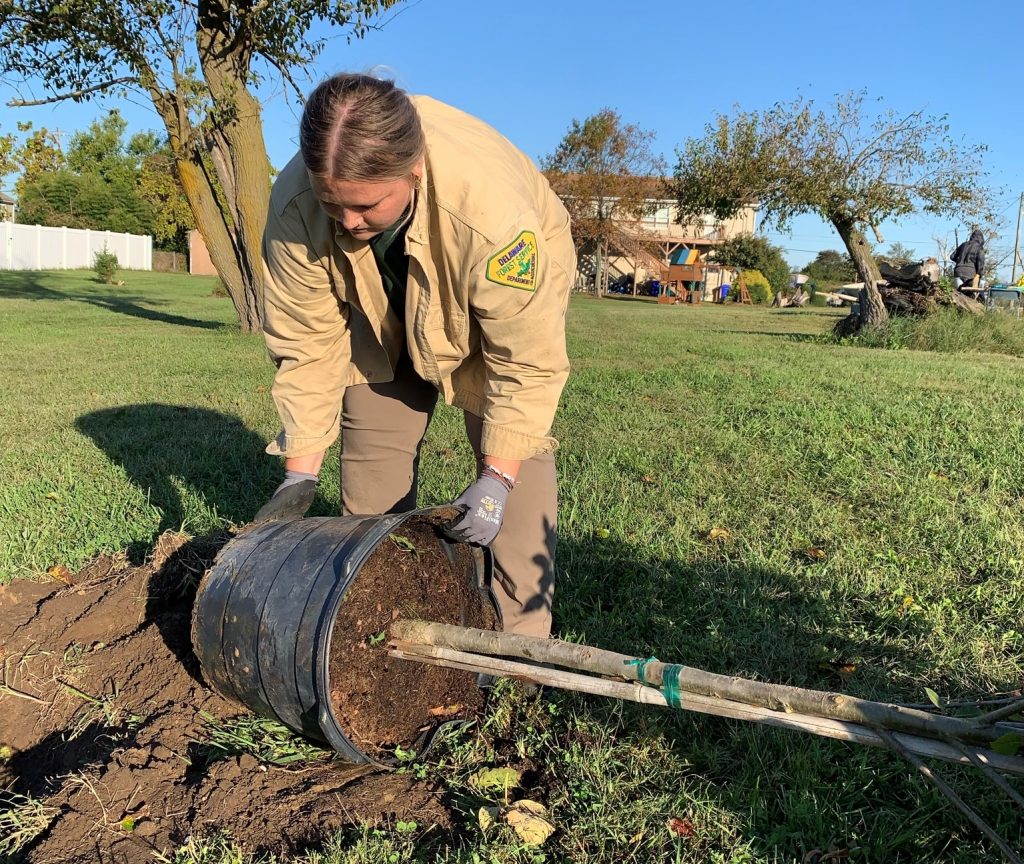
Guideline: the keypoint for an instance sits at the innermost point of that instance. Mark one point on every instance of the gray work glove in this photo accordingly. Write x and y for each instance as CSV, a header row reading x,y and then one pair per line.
x,y
484,501
291,499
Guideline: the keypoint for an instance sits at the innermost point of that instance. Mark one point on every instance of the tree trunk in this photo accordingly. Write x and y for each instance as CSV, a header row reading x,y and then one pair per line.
x,y
206,207
598,267
238,156
872,309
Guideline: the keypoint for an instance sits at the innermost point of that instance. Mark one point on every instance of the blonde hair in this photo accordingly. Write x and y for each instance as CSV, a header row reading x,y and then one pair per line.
x,y
356,127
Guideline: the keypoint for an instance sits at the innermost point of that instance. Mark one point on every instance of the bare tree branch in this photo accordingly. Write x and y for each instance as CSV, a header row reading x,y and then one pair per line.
x,y
74,94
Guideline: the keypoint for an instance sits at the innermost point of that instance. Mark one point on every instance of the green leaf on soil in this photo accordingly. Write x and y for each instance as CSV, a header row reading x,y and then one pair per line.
x,y
528,820
495,779
1008,744
403,755
404,543
933,697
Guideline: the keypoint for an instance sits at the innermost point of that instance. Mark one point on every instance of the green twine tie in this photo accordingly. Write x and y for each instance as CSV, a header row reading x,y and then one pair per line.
x,y
670,685
641,666
669,679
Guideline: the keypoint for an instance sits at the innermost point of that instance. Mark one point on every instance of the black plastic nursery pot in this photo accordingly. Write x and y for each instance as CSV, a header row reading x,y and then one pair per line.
x,y
265,613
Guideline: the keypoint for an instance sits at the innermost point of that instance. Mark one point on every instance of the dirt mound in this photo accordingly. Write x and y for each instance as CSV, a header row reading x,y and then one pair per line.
x,y
103,710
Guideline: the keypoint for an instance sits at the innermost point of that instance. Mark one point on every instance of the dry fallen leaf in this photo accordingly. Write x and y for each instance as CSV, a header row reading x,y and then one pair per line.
x,y
527,819
445,710
60,573
813,554
486,816
843,668
681,827
719,534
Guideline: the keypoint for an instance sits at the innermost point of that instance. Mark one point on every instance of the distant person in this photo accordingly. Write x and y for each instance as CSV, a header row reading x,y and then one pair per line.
x,y
969,259
411,250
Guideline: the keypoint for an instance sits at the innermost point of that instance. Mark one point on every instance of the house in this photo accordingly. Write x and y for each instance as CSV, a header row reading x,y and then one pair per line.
x,y
8,207
642,248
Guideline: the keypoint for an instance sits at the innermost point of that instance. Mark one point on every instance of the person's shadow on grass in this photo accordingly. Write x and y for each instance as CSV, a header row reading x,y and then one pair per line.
x,y
204,471
196,466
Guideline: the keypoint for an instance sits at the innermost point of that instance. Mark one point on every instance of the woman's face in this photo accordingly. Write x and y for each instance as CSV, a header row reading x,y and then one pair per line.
x,y
364,209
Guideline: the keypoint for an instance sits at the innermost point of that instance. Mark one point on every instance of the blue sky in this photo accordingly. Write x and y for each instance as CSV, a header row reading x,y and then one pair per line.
x,y
530,68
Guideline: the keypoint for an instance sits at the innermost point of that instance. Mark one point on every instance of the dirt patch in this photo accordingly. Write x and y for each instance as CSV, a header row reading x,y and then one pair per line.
x,y
382,702
101,721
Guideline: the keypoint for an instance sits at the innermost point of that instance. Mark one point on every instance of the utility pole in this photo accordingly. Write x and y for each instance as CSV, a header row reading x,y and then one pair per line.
x,y
1016,243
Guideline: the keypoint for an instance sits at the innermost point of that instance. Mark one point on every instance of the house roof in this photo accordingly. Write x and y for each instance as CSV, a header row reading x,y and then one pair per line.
x,y
6,199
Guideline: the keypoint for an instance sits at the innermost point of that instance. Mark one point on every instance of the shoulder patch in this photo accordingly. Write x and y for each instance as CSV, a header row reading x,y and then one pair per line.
x,y
515,265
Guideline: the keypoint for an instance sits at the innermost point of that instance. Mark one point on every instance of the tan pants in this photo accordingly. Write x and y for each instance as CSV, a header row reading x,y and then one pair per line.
x,y
382,429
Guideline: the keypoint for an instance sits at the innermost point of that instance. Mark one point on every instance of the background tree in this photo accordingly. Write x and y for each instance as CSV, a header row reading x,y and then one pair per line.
x,y
831,268
159,186
749,252
39,153
96,183
853,170
8,162
606,175
897,255
198,63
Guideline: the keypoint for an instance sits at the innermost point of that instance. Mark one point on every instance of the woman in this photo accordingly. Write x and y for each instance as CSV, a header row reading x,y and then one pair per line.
x,y
411,250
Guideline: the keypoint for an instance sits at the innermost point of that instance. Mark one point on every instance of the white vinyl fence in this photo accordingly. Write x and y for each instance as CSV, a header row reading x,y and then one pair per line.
x,y
35,247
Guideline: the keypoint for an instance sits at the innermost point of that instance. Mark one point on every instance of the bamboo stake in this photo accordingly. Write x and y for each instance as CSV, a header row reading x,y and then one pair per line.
x,y
777,697
636,692
952,797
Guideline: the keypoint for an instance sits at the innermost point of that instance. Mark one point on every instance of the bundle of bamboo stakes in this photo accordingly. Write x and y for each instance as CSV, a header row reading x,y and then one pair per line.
x,y
913,733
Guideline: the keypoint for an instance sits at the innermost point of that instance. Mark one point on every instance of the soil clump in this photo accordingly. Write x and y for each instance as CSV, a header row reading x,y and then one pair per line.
x,y
382,702
104,721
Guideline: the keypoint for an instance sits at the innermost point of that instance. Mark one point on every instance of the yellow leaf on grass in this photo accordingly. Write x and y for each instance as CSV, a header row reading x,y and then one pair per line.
x,y
527,819
602,533
486,816
719,534
495,779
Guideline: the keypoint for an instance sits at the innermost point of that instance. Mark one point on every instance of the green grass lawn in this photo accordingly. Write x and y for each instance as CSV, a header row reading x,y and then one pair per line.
x,y
128,411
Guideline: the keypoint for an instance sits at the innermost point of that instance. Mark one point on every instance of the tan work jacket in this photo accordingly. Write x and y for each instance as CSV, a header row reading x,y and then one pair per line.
x,y
491,262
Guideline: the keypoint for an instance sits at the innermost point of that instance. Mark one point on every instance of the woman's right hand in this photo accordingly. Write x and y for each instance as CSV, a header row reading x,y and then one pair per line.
x,y
291,500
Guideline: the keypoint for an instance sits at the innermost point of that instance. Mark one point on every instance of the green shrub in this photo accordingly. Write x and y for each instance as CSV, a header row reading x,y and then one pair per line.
x,y
758,286
105,264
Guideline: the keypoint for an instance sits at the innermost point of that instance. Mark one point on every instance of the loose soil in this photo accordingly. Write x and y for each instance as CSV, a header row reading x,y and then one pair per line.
x,y
381,702
101,720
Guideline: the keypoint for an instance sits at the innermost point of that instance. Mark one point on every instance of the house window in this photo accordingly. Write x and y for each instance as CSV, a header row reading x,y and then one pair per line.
x,y
662,215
